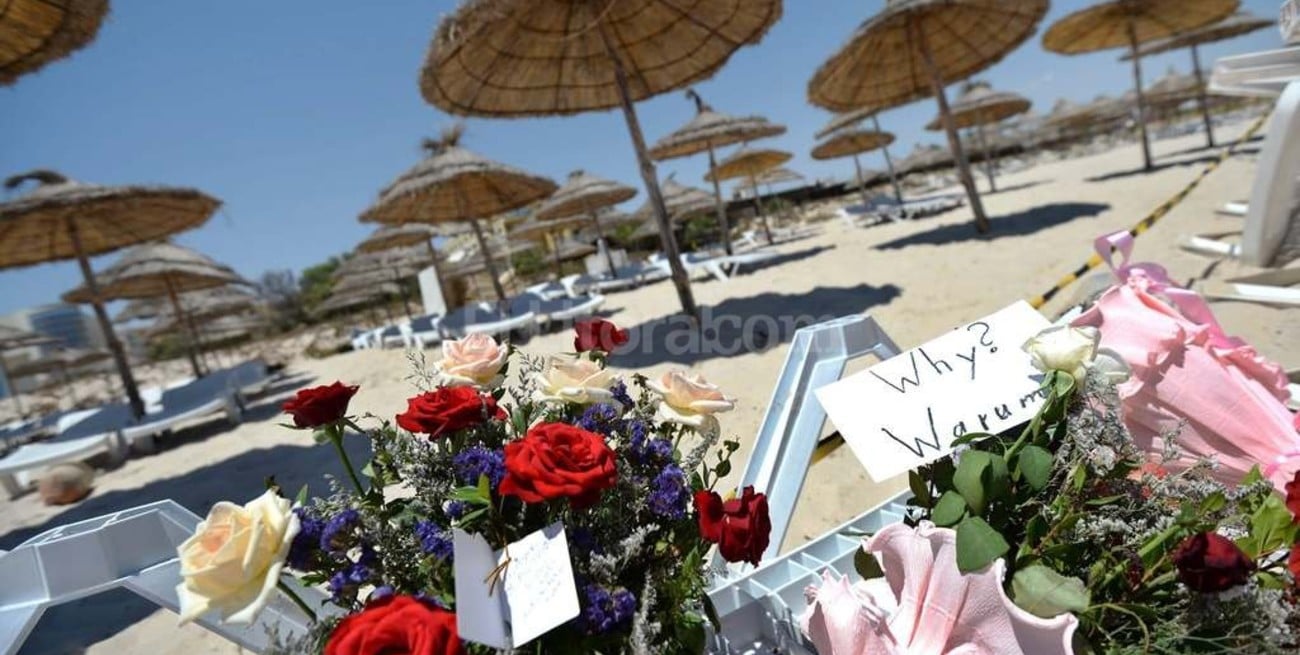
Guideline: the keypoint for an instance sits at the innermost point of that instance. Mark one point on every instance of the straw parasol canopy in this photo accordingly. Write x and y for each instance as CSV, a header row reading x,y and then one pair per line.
x,y
585,194
682,200
1128,24
749,164
34,33
925,158
63,219
140,309
357,298
979,105
561,57
205,304
779,176
538,230
850,119
155,270
851,143
912,48
1173,88
455,185
60,360
1238,24
391,237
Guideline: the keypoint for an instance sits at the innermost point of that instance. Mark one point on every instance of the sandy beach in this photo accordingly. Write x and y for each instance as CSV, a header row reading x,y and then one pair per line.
x,y
916,278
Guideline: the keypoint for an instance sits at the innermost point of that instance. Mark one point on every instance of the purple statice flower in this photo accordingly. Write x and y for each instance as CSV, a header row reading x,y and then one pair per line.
x,y
476,461
600,418
455,509
337,535
659,450
307,542
637,431
668,493
344,583
619,389
585,542
434,540
381,592
607,611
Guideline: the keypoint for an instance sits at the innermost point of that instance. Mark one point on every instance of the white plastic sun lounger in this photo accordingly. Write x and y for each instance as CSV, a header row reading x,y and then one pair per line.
x,y
578,286
482,318
39,455
1213,244
1280,288
423,331
548,290
556,309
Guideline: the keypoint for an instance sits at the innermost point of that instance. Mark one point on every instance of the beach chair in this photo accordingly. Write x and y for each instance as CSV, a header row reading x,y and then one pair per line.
x,y
392,336
555,309
423,331
578,286
482,318
15,467
1280,288
548,290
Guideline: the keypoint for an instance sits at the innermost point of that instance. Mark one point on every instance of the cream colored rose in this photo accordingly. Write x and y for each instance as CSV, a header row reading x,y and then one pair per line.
x,y
577,380
1074,350
232,562
474,361
689,399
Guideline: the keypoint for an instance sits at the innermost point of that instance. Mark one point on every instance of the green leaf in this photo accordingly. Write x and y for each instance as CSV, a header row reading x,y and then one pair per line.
x,y
970,437
690,630
723,468
1213,503
469,495
301,498
368,470
1271,527
1062,383
969,479
920,489
321,436
1035,466
996,477
1270,580
1035,530
949,510
1046,593
978,544
866,565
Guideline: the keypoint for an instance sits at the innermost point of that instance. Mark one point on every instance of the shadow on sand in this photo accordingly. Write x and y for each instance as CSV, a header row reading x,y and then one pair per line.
x,y
738,326
75,626
1014,187
1191,161
1010,225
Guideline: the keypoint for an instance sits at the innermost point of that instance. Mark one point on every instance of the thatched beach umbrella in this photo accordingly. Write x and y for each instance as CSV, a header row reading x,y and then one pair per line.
x,y
12,338
160,270
545,58
62,219
749,164
851,143
393,265
1128,24
34,33
456,185
1238,24
412,234
707,132
361,296
60,360
682,201
201,306
979,105
539,230
584,194
912,48
850,119
925,158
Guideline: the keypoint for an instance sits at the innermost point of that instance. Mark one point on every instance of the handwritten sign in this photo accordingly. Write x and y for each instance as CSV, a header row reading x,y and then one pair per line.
x,y
906,410
509,597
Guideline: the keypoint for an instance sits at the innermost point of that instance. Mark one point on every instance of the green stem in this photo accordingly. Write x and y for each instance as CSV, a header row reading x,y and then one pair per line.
x,y
297,600
336,438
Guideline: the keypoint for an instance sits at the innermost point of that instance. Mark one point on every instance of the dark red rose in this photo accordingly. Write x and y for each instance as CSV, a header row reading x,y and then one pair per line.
x,y
1293,563
448,409
397,625
1207,562
597,334
558,460
317,406
1293,497
741,526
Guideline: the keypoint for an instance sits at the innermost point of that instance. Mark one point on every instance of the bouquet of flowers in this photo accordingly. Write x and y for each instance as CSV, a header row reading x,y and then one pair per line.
x,y
1066,537
626,467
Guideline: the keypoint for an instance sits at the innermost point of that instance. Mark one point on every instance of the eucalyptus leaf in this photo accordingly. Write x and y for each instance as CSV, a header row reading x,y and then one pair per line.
x,y
1035,466
1043,592
866,565
969,479
978,544
949,510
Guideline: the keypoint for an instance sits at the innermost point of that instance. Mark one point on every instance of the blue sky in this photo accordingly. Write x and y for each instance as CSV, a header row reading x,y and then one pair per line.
x,y
296,113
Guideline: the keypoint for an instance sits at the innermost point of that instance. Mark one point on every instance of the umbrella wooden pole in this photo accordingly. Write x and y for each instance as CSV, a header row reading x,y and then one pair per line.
x,y
889,164
982,225
651,179
401,290
603,243
114,345
1203,101
988,157
9,387
862,182
487,259
717,200
762,215
1142,103
555,250
191,338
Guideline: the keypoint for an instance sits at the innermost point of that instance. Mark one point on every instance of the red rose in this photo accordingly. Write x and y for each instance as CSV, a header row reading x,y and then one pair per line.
x,y
741,526
1293,563
1207,562
1293,497
597,334
448,409
317,406
397,625
558,460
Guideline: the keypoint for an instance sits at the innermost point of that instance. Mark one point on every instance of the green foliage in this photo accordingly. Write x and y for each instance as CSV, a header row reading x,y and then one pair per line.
x,y
1046,593
315,282
532,262
700,231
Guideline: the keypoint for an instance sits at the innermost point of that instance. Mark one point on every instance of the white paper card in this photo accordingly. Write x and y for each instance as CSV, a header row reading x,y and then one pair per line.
x,y
907,410
534,593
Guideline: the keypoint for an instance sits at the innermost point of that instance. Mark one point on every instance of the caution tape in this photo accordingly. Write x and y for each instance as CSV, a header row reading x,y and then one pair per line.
x,y
835,440
1158,213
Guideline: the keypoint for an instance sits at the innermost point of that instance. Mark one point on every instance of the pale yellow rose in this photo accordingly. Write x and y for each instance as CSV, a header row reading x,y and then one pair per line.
x,y
689,399
474,361
577,380
232,562
1074,350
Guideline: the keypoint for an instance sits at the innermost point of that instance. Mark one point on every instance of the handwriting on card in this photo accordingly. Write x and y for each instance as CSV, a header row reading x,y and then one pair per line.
x,y
906,411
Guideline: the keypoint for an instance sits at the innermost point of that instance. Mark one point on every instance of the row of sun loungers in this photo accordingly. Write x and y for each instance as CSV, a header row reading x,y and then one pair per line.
x,y
886,211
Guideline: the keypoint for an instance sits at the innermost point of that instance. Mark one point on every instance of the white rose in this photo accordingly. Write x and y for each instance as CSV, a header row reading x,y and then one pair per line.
x,y
474,361
578,380
232,562
688,399
1074,350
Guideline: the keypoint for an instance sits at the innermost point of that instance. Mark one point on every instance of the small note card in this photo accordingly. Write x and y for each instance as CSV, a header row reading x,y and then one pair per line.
x,y
906,410
509,597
